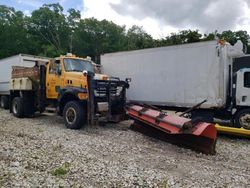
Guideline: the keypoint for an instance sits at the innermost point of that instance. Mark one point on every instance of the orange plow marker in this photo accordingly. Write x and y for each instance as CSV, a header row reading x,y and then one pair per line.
x,y
193,134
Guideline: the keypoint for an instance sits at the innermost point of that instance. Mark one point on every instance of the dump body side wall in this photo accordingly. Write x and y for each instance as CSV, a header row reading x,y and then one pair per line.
x,y
182,75
6,69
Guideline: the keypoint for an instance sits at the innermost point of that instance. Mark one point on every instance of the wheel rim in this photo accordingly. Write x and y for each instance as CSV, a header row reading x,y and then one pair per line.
x,y
71,115
14,107
245,121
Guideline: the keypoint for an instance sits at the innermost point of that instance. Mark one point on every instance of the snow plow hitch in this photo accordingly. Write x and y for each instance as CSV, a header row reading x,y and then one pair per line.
x,y
191,133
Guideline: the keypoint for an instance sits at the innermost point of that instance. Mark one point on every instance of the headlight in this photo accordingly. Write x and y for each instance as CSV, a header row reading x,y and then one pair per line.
x,y
82,96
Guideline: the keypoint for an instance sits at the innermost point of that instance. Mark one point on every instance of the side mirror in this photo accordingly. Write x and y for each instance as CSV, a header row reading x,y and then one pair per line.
x,y
85,73
128,80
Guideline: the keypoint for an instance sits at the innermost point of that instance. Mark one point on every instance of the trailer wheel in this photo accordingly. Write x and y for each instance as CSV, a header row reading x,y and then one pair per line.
x,y
4,102
18,107
74,115
242,119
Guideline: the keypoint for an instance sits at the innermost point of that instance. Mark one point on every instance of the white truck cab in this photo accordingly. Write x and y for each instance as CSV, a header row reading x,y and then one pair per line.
x,y
243,87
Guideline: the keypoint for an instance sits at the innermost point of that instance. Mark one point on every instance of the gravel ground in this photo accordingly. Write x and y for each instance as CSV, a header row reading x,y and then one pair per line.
x,y
41,152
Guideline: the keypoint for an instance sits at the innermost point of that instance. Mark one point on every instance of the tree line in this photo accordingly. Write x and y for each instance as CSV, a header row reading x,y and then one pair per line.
x,y
49,31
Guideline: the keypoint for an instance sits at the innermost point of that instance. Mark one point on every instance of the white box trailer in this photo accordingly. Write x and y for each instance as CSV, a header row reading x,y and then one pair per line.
x,y
181,75
6,68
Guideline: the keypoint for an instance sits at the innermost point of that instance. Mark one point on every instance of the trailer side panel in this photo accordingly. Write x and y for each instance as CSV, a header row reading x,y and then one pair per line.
x,y
181,75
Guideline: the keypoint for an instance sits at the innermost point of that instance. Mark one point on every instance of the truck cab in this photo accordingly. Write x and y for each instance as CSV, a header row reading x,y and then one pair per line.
x,y
67,71
243,87
241,91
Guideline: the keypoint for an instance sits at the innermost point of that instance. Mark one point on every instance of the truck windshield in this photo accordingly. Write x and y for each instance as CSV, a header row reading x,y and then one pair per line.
x,y
77,65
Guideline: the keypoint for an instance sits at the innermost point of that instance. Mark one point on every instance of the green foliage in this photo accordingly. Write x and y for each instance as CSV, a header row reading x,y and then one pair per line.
x,y
210,36
13,33
137,38
2,180
61,171
185,36
93,37
163,184
48,26
73,19
232,38
51,32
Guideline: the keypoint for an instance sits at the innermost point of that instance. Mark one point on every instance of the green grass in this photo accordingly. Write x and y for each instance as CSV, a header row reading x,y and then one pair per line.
x,y
163,184
61,171
1,180
40,130
4,178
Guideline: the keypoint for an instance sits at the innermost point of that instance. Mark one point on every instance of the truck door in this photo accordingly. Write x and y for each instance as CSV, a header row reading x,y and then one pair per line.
x,y
53,79
243,87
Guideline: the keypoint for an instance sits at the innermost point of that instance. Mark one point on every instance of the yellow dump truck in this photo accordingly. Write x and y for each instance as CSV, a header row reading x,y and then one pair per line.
x,y
69,85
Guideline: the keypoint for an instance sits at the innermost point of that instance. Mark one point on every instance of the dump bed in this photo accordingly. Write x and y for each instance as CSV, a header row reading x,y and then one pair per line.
x,y
6,68
181,75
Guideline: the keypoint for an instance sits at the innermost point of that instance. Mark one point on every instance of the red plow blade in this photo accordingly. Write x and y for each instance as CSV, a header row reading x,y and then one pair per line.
x,y
193,134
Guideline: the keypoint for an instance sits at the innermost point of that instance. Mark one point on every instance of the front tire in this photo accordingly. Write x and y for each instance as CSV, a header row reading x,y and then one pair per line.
x,y
74,114
242,119
5,102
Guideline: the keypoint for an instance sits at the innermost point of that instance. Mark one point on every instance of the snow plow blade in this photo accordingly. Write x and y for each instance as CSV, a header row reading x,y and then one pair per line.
x,y
193,134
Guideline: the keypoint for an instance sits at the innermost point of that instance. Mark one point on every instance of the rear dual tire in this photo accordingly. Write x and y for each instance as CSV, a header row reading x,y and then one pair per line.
x,y
4,102
18,107
22,107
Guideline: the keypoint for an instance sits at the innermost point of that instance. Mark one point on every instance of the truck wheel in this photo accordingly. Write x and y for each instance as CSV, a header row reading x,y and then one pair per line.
x,y
29,109
242,119
4,102
74,115
18,107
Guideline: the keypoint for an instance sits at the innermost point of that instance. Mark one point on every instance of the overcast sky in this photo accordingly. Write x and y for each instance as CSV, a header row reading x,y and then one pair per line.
x,y
158,17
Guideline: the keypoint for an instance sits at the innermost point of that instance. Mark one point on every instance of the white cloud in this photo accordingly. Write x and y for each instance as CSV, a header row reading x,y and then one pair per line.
x,y
159,20
244,21
27,12
102,10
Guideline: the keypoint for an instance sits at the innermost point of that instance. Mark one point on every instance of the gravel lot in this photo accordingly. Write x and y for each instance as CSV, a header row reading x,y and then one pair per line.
x,y
41,152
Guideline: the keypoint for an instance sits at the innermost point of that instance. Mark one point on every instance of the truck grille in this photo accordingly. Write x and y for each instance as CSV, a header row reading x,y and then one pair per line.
x,y
103,90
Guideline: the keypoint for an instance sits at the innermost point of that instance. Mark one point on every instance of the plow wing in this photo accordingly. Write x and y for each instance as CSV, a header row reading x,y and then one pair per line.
x,y
193,134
